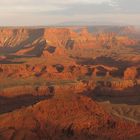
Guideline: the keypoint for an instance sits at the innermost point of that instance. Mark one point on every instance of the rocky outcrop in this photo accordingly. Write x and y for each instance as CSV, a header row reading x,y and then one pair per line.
x,y
58,36
51,51
12,37
67,116
124,84
130,73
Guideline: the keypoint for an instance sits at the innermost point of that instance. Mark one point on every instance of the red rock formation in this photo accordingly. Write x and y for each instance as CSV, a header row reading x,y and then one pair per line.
x,y
58,36
130,73
12,37
124,84
58,52
66,116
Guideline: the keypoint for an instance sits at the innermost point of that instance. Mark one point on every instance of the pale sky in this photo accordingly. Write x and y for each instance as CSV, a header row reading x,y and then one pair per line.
x,y
52,12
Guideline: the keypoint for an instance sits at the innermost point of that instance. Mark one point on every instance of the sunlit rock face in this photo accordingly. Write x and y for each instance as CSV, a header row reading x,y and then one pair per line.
x,y
131,73
13,37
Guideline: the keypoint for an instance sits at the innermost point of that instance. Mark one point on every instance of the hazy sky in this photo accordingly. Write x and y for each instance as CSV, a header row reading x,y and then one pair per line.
x,y
51,12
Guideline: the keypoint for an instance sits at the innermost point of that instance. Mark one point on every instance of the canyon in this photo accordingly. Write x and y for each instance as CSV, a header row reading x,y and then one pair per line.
x,y
70,83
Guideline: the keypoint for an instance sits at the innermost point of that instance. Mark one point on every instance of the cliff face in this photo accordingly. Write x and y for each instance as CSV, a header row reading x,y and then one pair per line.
x,y
12,37
61,37
66,38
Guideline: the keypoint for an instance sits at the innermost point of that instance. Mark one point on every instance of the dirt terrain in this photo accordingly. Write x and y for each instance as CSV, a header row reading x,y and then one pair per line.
x,y
70,83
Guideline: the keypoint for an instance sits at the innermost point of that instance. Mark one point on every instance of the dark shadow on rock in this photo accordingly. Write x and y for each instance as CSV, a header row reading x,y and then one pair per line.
x,y
108,61
51,49
38,49
128,96
11,62
102,60
70,44
36,52
60,68
10,104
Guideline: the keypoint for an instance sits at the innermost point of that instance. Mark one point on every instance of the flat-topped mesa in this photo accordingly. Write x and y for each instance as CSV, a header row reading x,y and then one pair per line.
x,y
68,38
59,36
109,40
